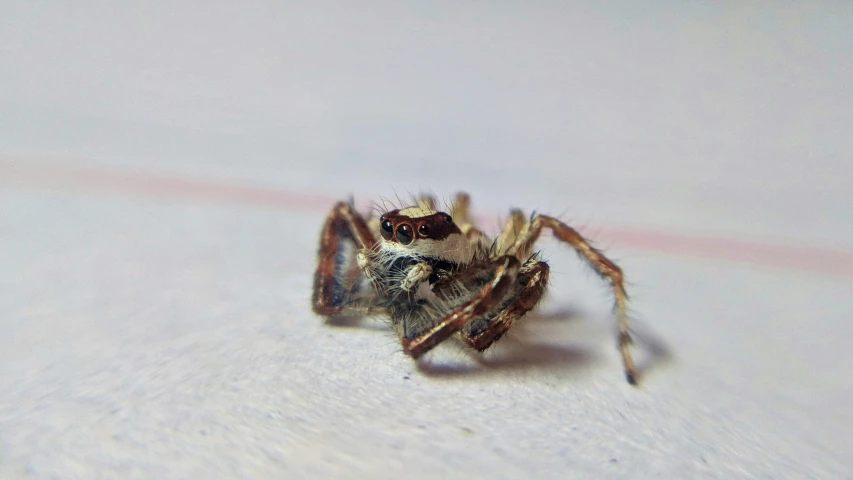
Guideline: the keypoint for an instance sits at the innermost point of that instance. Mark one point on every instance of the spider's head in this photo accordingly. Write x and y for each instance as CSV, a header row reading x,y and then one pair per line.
x,y
423,233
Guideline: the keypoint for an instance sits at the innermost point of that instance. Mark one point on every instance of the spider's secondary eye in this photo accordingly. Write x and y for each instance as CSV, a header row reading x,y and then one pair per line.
x,y
423,230
404,234
448,218
386,229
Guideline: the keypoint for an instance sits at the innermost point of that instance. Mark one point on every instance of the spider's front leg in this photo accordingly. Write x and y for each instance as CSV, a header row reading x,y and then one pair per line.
x,y
343,223
602,265
487,298
534,274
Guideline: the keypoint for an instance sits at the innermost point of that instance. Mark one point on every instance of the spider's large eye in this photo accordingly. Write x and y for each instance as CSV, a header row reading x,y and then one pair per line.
x,y
404,234
385,228
423,230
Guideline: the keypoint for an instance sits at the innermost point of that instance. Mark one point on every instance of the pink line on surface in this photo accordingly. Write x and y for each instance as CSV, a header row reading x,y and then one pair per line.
x,y
158,185
149,184
776,255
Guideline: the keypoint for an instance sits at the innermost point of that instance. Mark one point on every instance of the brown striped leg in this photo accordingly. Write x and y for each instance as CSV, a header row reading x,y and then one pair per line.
x,y
524,301
343,223
487,298
602,265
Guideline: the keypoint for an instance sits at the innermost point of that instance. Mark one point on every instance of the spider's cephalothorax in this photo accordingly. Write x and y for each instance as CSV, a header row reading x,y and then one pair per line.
x,y
416,244
435,274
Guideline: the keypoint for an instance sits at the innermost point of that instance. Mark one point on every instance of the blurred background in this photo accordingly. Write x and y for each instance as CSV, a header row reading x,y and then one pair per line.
x,y
165,169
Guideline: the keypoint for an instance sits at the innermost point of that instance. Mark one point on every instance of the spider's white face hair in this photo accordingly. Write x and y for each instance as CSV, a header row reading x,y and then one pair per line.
x,y
420,232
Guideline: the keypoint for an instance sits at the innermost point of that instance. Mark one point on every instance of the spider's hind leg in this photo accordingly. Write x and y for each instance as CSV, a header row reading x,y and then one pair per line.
x,y
461,213
426,202
481,334
602,265
461,208
514,226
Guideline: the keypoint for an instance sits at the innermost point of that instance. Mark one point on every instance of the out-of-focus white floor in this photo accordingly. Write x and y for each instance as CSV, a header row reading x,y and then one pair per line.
x,y
164,171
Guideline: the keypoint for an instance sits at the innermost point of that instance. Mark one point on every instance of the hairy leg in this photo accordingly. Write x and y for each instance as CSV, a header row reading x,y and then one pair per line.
x,y
460,209
427,202
461,213
488,297
513,227
602,265
343,223
536,275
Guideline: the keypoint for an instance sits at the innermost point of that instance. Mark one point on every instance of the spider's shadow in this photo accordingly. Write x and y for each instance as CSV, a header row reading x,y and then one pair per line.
x,y
517,351
520,349
650,349
653,350
512,354
562,315
349,321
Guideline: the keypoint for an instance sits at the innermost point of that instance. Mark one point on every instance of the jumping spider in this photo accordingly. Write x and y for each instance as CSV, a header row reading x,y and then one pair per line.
x,y
436,274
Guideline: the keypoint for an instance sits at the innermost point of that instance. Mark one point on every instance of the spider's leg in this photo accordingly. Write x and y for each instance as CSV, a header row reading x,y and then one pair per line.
x,y
343,223
513,227
535,278
487,297
426,202
461,213
602,265
460,210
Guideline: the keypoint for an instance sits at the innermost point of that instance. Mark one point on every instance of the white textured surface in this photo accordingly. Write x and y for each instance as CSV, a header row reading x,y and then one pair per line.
x,y
154,335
